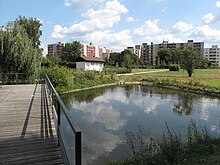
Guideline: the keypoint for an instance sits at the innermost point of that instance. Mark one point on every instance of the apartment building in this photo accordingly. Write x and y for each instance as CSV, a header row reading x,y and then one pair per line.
x,y
149,52
55,50
213,55
90,50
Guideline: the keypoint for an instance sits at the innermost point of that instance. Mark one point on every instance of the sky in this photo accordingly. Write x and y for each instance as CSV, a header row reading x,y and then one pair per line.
x,y
117,24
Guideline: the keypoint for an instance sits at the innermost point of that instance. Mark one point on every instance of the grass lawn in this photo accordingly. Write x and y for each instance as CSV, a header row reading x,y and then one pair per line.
x,y
206,77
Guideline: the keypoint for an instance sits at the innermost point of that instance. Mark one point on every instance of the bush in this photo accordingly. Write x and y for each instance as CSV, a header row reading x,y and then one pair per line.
x,y
61,77
117,70
174,67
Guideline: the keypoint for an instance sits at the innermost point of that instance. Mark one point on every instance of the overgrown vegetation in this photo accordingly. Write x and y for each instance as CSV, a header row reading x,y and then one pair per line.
x,y
66,79
20,52
198,148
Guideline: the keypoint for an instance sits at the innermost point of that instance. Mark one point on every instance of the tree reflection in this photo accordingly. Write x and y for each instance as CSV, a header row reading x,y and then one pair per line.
x,y
83,96
185,104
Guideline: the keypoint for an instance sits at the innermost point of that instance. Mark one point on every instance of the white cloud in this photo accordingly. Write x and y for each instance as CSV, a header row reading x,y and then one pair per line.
x,y
116,41
207,34
104,18
182,26
149,28
207,31
130,19
151,32
57,32
217,4
208,18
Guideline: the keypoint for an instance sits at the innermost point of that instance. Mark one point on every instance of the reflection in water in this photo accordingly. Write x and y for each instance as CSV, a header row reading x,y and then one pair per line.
x,y
184,104
105,114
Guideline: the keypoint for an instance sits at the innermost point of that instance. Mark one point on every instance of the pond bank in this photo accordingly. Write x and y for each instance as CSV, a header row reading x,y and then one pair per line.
x,y
185,89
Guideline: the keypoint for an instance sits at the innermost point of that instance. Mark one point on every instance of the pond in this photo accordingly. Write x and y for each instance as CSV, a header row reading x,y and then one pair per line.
x,y
105,114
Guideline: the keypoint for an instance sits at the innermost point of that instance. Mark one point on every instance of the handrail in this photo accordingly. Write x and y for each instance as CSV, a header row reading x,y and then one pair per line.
x,y
78,140
13,78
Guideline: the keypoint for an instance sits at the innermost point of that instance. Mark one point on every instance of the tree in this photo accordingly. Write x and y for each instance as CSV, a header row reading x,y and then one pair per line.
x,y
32,28
164,56
114,59
71,51
17,54
126,60
174,56
188,59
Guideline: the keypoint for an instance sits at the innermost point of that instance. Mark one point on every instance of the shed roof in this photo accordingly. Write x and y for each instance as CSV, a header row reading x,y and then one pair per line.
x,y
89,59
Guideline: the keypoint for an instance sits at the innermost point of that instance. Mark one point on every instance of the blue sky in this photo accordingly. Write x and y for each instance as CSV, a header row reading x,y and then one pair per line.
x,y
117,24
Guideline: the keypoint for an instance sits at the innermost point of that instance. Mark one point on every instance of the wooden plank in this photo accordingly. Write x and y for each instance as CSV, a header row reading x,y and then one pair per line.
x,y
27,132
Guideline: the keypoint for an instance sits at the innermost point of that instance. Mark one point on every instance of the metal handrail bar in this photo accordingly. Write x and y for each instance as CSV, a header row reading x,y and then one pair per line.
x,y
72,124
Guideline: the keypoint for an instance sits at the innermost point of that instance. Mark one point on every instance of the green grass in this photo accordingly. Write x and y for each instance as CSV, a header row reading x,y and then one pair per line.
x,y
202,79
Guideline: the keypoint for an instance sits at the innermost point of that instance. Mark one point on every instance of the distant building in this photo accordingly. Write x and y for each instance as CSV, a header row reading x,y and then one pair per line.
x,y
149,52
90,50
89,63
131,49
213,55
55,50
137,51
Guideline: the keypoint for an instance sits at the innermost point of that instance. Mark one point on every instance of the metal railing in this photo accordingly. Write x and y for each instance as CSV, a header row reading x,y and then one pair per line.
x,y
14,78
58,105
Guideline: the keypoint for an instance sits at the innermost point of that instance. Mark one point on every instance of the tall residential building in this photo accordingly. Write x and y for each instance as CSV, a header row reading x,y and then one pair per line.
x,y
90,50
213,55
149,52
55,50
137,51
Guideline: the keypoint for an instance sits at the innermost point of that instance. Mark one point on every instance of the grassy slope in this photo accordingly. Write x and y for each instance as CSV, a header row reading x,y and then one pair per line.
x,y
203,77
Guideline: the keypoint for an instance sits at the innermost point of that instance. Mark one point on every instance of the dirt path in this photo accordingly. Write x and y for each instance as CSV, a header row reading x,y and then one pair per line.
x,y
153,71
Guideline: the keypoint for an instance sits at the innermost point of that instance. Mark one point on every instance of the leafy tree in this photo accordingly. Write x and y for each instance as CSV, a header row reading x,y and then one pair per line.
x,y
17,53
188,59
124,59
164,56
202,63
32,28
174,56
71,51
114,59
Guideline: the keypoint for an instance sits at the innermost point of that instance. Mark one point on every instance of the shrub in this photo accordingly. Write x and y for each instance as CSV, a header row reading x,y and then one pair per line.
x,y
61,77
174,67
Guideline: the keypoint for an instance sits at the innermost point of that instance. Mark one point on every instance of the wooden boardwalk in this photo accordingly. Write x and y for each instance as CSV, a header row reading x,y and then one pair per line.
x,y
27,132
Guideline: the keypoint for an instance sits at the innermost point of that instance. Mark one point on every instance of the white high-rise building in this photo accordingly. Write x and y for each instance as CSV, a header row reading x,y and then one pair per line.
x,y
213,55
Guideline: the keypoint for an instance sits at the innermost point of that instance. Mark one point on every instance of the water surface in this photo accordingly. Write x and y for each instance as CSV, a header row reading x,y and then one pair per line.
x,y
105,114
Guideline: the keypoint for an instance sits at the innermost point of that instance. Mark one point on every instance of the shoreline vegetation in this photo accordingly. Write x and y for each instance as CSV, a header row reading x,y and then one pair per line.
x,y
204,81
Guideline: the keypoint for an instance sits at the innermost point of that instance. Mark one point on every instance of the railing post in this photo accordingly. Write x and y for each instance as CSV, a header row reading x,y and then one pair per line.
x,y
58,122
58,113
78,151
16,78
52,97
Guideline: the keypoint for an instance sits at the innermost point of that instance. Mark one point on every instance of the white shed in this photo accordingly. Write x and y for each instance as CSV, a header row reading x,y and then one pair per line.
x,y
89,63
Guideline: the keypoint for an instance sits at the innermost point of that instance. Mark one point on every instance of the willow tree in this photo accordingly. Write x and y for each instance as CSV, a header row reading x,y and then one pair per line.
x,y
32,28
17,54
